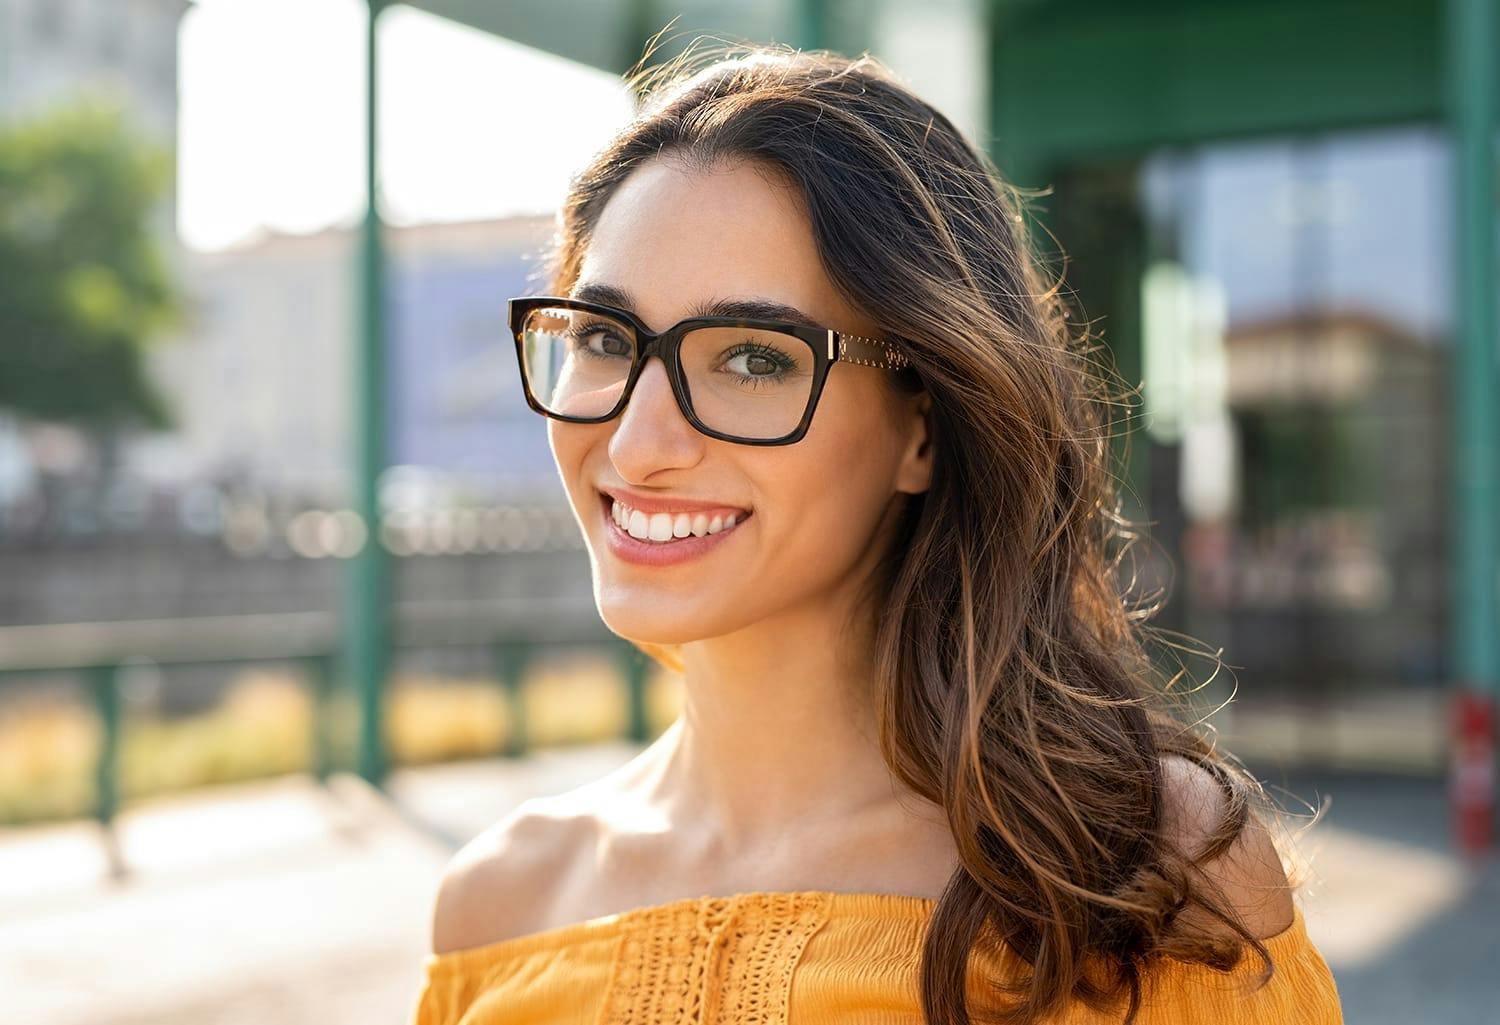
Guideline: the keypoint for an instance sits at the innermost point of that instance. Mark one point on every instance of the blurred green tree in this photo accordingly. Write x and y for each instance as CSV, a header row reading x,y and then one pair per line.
x,y
85,284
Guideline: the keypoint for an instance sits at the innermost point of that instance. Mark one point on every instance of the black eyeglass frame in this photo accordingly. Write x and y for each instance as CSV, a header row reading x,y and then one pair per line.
x,y
828,347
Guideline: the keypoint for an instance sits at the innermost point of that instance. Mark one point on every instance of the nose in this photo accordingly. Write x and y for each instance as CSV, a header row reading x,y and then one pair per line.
x,y
651,430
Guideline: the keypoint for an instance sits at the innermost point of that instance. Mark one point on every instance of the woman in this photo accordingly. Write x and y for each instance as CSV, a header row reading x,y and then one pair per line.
x,y
861,501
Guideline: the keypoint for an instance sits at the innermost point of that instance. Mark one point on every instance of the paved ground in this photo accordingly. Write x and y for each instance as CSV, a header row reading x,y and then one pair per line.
x,y
285,902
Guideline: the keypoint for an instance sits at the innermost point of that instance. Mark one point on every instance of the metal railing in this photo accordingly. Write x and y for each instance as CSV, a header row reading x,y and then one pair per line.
x,y
512,631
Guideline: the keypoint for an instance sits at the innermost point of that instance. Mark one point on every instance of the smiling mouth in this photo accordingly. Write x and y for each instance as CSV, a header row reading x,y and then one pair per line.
x,y
666,529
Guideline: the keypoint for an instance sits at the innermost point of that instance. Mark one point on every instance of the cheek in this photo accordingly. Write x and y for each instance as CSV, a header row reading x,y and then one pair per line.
x,y
569,443
826,494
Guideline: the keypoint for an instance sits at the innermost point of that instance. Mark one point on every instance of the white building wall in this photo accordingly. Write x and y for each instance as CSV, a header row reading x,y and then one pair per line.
x,y
127,49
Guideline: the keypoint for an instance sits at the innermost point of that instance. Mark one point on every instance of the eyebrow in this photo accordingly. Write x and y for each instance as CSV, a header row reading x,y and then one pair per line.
x,y
746,308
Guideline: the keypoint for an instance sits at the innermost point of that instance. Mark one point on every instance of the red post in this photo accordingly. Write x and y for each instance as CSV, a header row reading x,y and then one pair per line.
x,y
1471,780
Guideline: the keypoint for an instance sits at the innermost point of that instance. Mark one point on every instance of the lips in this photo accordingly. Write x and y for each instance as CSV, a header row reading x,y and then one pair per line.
x,y
650,504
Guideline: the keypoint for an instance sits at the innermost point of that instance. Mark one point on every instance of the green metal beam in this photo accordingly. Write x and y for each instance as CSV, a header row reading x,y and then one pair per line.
x,y
610,34
366,636
592,32
1074,78
1472,25
1081,78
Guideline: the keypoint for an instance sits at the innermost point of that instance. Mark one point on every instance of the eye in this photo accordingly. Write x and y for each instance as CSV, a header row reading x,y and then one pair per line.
x,y
611,342
758,363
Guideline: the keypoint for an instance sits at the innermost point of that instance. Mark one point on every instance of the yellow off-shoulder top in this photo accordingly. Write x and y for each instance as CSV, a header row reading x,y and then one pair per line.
x,y
809,957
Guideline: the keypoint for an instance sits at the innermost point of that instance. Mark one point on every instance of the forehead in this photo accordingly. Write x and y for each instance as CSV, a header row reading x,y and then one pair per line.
x,y
675,238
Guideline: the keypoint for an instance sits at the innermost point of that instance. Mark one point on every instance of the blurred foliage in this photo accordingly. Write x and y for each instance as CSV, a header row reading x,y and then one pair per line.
x,y
84,282
263,728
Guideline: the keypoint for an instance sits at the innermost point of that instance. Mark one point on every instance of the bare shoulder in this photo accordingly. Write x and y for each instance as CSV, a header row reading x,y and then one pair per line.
x,y
1250,871
499,884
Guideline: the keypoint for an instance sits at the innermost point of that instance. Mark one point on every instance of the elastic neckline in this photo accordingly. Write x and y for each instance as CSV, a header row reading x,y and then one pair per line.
x,y
836,904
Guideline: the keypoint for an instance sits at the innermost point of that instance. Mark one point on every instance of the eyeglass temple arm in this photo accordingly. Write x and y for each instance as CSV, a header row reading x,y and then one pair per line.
x,y
864,351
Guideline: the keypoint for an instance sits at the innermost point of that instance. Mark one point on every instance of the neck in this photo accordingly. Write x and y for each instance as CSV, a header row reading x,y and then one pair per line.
x,y
778,731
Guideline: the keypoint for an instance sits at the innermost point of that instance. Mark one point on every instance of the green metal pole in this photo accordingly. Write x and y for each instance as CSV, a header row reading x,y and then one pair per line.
x,y
1472,27
107,769
105,681
511,659
633,665
319,670
812,25
365,601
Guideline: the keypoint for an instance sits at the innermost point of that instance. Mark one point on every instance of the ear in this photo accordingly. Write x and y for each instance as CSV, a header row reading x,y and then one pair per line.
x,y
914,475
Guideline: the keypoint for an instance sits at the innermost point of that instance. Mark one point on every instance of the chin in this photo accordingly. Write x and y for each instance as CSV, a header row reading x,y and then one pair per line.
x,y
647,620
651,633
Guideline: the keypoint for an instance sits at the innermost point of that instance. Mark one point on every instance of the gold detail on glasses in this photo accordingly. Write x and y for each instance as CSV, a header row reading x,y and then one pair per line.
x,y
893,359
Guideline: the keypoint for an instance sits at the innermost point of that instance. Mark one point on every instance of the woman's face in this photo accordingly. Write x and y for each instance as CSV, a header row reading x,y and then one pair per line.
x,y
673,239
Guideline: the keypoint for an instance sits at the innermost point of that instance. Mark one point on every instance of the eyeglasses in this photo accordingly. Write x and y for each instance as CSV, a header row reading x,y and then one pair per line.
x,y
754,382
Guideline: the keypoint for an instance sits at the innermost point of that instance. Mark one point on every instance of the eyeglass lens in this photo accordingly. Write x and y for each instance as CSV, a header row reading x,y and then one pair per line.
x,y
750,383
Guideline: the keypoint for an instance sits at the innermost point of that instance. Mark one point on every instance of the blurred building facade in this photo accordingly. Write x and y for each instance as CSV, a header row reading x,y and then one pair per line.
x,y
240,509
1295,418
51,50
262,380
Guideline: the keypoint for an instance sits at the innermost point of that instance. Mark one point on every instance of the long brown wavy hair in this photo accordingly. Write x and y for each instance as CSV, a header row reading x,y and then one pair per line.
x,y
1014,683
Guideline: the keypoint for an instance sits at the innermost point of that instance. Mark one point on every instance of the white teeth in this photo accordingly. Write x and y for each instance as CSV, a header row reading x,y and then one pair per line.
x,y
667,527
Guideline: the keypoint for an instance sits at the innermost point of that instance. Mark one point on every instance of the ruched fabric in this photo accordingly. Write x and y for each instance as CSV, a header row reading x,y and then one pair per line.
x,y
809,957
